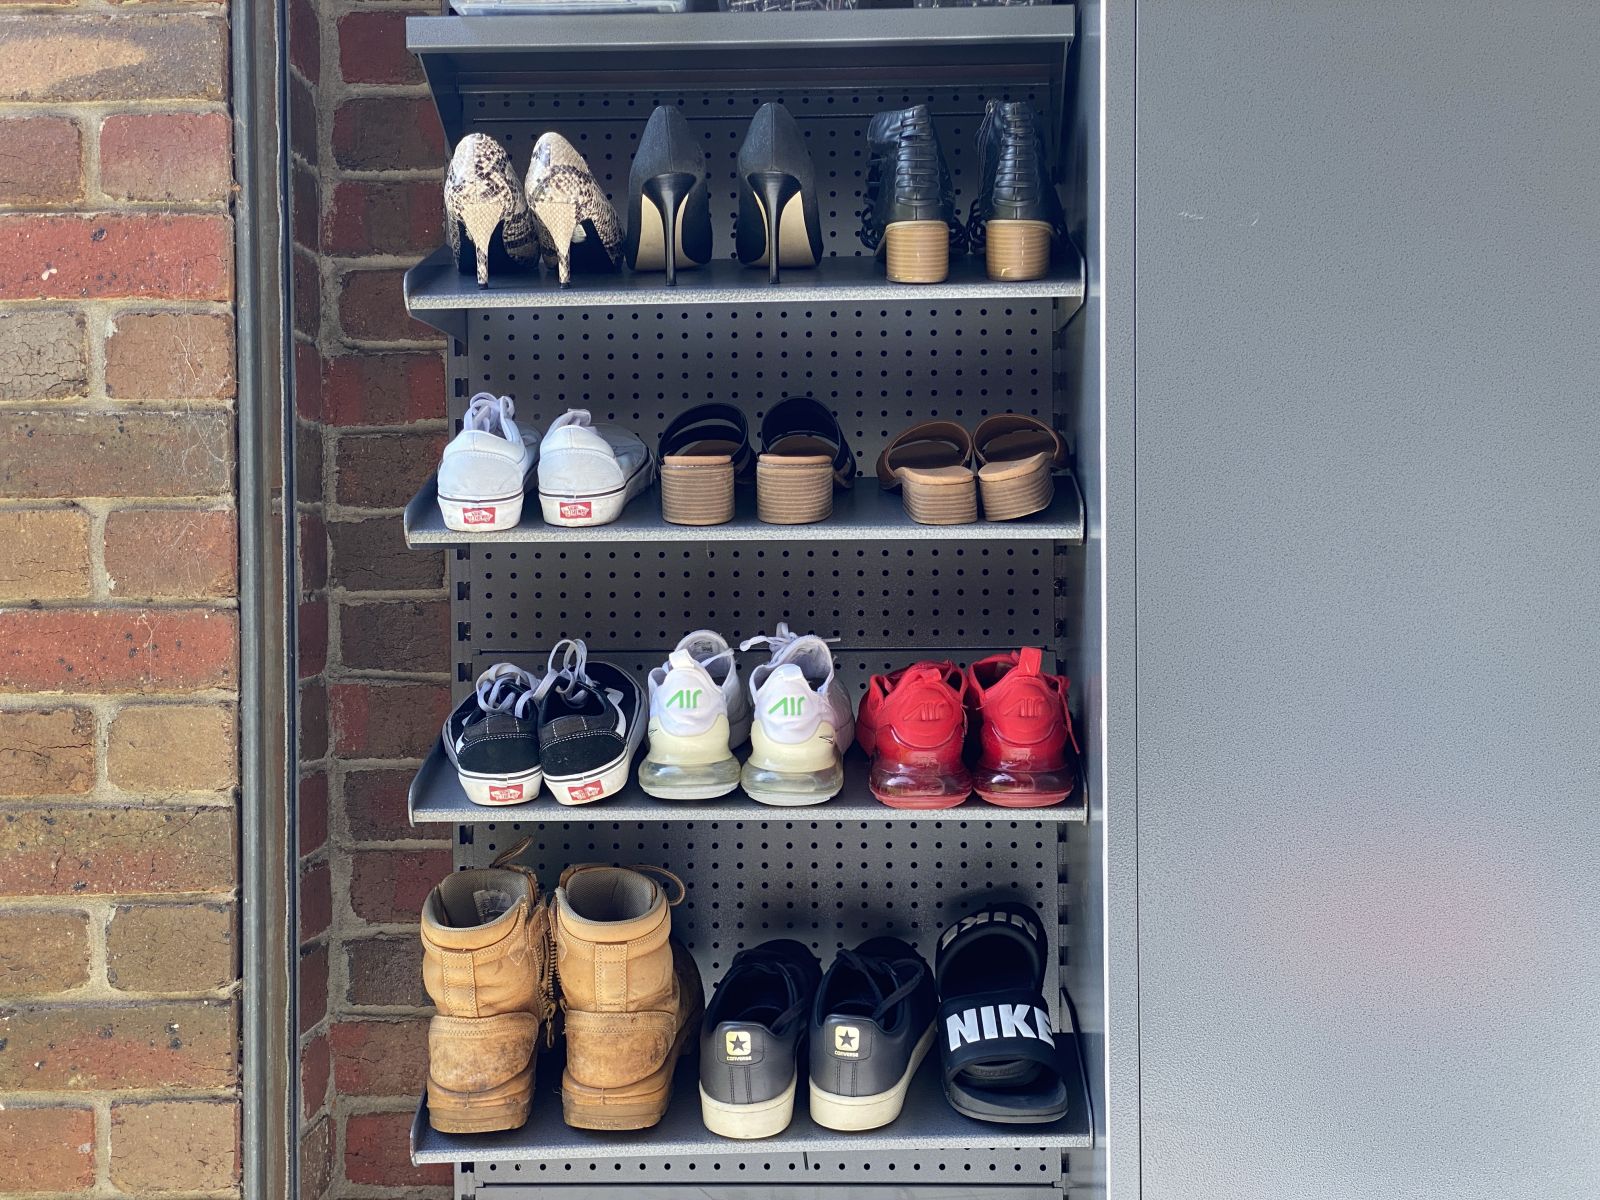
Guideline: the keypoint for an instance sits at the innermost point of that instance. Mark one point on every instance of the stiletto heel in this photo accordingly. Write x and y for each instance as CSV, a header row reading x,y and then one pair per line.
x,y
778,220
485,209
669,193
577,225
669,174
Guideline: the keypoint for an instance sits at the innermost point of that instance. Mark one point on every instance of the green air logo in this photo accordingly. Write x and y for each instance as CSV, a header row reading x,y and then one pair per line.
x,y
684,698
787,706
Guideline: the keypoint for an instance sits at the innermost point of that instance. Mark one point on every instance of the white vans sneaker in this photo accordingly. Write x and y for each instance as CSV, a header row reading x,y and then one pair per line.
x,y
803,722
589,472
698,714
484,471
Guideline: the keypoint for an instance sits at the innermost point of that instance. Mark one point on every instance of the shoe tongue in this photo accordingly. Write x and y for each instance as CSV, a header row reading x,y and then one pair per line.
x,y
573,416
703,644
923,673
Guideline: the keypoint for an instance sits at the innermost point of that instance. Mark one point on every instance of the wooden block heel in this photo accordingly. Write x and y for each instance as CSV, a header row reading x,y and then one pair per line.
x,y
917,251
947,502
1017,249
697,489
1014,495
794,491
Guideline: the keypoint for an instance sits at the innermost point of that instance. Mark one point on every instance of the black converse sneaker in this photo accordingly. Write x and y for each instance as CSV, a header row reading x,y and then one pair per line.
x,y
752,1036
871,1027
492,738
591,722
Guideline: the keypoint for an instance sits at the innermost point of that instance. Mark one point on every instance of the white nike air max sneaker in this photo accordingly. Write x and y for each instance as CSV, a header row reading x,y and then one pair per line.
x,y
484,471
589,472
803,722
698,714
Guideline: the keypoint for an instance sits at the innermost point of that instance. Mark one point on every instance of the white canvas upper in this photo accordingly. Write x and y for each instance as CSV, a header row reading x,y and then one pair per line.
x,y
491,458
796,691
698,684
580,458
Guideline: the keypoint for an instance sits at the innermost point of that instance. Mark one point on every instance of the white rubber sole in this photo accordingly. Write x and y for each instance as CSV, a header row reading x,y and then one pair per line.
x,y
587,788
852,1114
748,1121
579,509
493,791
481,516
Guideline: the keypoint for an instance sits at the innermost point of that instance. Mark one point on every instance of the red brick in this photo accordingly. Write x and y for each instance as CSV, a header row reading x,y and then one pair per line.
x,y
372,49
111,256
51,57
307,294
375,806
316,1068
183,157
390,885
313,724
316,1159
184,1044
313,548
175,1146
58,851
305,39
384,470
43,355
41,161
306,211
378,1058
170,356
46,752
172,553
316,901
305,139
118,650
375,1152
46,554
313,983
42,952
312,825
171,948
170,749
52,1148
372,308
308,368
308,464
383,389
311,630
395,635
375,720
372,555
391,217
133,453
388,133
385,971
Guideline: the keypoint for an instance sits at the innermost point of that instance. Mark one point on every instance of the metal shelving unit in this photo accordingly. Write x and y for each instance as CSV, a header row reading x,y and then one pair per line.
x,y
881,355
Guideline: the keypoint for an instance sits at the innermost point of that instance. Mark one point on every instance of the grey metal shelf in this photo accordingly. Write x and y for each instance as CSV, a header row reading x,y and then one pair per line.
x,y
926,1123
865,513
435,796
438,294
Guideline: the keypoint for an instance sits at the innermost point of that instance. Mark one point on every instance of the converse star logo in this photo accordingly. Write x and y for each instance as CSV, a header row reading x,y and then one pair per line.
x,y
736,1046
847,1041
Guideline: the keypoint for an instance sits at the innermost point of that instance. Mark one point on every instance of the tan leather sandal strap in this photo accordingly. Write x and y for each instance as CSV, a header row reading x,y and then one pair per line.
x,y
944,433
1007,425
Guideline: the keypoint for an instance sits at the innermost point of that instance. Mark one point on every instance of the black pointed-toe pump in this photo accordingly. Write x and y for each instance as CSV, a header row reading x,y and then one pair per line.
x,y
669,202
778,222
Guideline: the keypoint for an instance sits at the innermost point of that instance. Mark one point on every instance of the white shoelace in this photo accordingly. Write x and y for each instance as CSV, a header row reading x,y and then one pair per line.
x,y
488,413
781,640
508,688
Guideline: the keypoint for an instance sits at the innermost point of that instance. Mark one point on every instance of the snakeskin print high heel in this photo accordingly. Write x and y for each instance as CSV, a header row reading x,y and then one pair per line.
x,y
484,208
575,220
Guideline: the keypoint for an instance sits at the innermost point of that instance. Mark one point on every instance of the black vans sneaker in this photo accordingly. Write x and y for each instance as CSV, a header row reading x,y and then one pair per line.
x,y
871,1027
492,738
591,722
751,1037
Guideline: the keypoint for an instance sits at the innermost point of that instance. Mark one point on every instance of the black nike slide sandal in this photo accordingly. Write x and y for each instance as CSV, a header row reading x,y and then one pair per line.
x,y
996,1044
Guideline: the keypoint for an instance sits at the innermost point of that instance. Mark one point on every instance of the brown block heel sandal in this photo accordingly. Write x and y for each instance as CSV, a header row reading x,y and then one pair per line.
x,y
803,458
1017,458
704,452
931,464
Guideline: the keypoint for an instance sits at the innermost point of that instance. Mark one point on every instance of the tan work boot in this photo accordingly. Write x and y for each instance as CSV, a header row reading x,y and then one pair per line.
x,y
632,997
486,965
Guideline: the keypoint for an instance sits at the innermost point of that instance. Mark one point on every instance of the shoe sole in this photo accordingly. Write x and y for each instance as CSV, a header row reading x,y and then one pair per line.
x,y
852,1114
591,785
636,1106
502,1107
487,515
749,1121
493,791
577,510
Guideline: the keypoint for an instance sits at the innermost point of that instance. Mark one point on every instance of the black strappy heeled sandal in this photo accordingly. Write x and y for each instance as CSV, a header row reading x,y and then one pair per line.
x,y
803,458
704,452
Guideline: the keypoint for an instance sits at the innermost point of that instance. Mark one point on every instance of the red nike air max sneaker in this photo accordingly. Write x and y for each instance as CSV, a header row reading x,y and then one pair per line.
x,y
913,725
1027,756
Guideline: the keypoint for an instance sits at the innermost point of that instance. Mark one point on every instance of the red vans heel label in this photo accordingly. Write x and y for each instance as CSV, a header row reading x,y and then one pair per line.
x,y
477,516
587,791
577,508
503,795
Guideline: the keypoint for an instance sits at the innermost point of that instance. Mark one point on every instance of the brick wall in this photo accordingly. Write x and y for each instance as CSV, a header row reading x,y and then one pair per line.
x,y
118,609
369,158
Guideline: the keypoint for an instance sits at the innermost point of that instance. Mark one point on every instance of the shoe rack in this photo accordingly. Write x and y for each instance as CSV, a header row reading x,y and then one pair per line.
x,y
881,355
